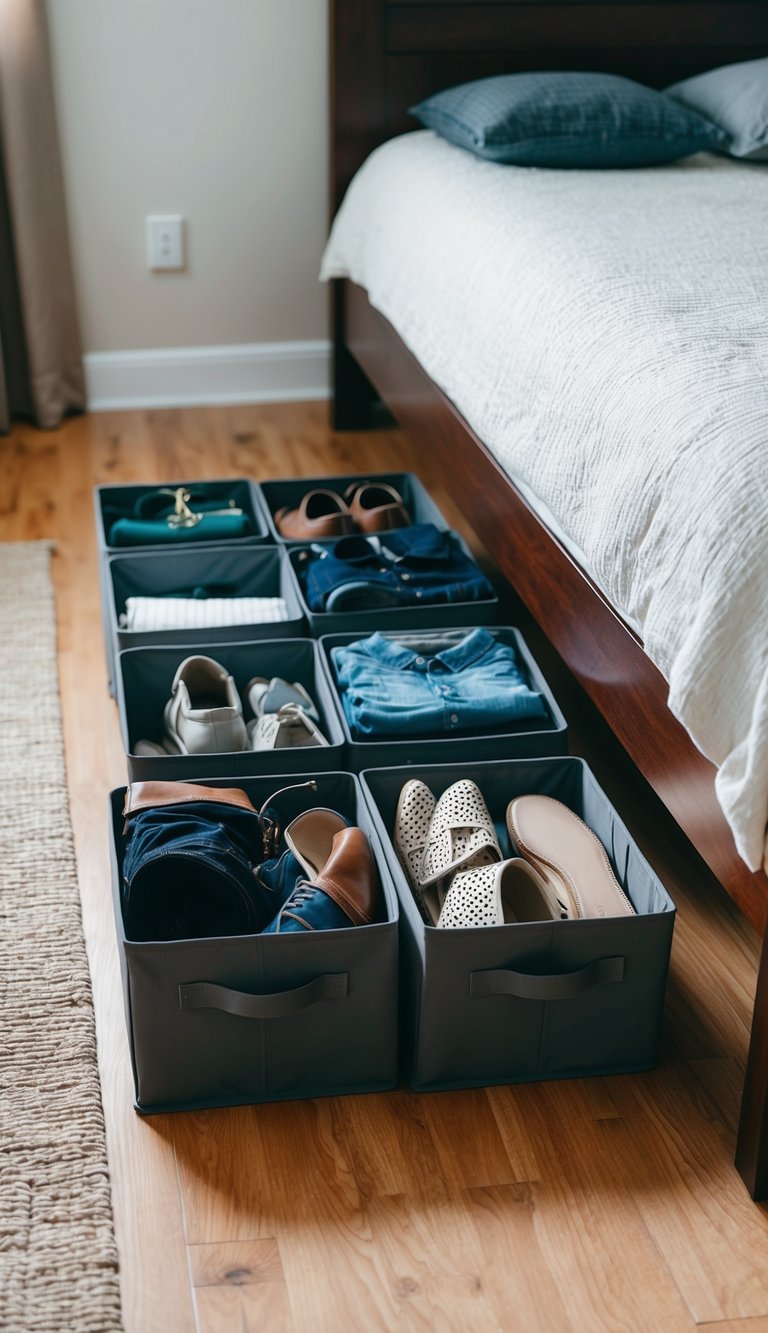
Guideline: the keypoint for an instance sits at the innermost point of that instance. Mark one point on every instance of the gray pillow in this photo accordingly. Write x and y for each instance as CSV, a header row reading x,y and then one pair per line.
x,y
735,97
567,120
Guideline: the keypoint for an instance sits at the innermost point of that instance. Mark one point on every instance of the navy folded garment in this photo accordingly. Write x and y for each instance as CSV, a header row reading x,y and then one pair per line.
x,y
415,566
433,685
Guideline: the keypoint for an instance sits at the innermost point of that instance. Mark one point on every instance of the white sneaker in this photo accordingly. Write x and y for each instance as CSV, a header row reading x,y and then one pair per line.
x,y
267,696
204,714
289,727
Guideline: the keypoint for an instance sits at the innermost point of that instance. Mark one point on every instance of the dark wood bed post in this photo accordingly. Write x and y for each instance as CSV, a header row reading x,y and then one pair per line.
x,y
752,1141
356,40
353,395
385,55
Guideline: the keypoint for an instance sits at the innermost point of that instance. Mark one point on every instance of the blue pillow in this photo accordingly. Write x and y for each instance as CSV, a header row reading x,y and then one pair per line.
x,y
567,120
735,97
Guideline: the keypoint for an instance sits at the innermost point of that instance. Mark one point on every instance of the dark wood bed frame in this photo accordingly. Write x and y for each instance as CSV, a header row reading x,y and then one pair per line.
x,y
385,56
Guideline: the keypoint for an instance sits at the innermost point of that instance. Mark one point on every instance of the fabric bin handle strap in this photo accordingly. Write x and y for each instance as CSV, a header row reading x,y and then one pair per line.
x,y
555,986
279,1004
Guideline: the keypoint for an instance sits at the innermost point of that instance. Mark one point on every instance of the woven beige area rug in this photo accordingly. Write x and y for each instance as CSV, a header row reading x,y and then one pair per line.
x,y
58,1258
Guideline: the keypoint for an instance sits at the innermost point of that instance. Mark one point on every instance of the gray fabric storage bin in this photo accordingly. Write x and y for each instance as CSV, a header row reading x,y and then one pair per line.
x,y
305,1045
289,492
241,489
536,737
251,571
463,1032
405,618
144,680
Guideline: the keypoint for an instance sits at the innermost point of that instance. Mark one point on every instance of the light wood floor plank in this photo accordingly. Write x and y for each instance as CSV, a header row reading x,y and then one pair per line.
x,y
235,1263
263,1308
714,1240
431,1257
469,1147
586,1225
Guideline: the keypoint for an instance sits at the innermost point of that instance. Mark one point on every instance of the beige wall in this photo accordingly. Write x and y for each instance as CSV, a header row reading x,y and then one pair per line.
x,y
215,109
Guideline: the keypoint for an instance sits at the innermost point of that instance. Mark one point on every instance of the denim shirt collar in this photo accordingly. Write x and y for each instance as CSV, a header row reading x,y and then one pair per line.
x,y
464,654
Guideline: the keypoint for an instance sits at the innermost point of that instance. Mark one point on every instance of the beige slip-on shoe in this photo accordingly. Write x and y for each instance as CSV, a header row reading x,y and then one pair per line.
x,y
497,895
568,856
204,714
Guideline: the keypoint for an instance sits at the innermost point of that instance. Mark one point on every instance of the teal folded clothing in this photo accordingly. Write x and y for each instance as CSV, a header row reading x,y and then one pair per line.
x,y
178,514
208,528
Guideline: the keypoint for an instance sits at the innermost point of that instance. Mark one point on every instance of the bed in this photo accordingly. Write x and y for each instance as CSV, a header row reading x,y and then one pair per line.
x,y
586,561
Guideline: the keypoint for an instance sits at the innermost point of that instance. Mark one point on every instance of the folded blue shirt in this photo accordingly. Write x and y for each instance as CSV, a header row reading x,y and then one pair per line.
x,y
415,566
433,685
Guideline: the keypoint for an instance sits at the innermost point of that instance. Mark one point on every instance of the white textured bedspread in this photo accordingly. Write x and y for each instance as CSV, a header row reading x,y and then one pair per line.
x,y
606,335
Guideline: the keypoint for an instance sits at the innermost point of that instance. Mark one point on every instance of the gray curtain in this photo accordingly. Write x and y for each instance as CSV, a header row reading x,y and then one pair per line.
x,y
41,371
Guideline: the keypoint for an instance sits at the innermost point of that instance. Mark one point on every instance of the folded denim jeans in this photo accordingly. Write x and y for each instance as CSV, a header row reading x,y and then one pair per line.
x,y
432,685
415,566
191,865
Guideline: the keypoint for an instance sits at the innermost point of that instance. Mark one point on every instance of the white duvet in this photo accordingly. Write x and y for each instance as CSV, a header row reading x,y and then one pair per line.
x,y
606,335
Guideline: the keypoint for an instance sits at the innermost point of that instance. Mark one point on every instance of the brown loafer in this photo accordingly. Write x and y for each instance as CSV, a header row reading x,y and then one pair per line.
x,y
343,892
336,858
321,514
376,506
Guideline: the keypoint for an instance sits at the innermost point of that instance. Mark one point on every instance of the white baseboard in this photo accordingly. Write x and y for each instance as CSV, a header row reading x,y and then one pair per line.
x,y
193,376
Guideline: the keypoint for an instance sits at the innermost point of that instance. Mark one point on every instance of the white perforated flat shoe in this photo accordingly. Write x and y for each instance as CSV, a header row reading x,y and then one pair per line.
x,y
461,834
496,895
568,856
415,808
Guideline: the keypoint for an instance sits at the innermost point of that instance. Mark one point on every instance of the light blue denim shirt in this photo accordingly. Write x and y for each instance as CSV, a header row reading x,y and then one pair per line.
x,y
433,685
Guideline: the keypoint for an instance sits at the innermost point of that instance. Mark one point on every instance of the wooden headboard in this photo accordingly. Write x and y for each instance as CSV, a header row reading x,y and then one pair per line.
x,y
387,54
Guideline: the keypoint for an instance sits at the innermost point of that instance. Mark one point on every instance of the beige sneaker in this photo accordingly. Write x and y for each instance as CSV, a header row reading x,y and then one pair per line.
x,y
204,714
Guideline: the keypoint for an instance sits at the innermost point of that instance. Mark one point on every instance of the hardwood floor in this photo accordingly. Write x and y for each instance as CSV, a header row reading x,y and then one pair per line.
x,y
605,1204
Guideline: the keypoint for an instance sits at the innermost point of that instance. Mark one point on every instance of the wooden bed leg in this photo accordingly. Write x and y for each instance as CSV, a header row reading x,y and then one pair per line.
x,y
752,1143
353,394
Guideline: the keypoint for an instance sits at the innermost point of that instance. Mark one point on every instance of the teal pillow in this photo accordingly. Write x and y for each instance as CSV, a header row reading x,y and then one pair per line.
x,y
735,97
567,120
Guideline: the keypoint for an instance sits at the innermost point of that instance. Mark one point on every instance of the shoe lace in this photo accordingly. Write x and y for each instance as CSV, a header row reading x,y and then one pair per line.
x,y
290,713
302,894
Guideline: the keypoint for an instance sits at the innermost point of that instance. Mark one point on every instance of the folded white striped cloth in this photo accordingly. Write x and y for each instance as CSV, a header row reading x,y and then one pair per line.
x,y
150,613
